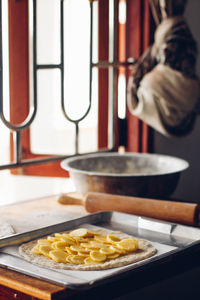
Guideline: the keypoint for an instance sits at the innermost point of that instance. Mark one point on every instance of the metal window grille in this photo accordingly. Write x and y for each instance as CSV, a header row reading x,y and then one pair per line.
x,y
113,64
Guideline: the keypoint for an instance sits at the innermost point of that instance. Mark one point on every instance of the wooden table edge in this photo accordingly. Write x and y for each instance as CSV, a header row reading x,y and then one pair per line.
x,y
31,286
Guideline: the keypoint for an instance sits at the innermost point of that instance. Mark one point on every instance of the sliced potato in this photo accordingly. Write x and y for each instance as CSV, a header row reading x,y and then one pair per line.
x,y
112,256
52,239
36,250
112,238
43,242
80,239
95,245
107,251
78,248
117,250
66,238
127,245
76,259
89,261
58,256
45,249
97,256
60,235
68,241
84,254
92,233
59,245
80,232
70,251
100,238
85,245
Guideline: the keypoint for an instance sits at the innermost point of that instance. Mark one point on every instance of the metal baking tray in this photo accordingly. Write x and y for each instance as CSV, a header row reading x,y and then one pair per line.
x,y
170,239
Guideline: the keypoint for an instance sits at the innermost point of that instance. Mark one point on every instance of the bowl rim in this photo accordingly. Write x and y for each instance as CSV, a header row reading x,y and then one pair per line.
x,y
65,164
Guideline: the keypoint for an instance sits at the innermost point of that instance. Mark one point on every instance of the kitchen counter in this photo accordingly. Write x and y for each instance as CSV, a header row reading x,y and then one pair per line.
x,y
177,279
30,215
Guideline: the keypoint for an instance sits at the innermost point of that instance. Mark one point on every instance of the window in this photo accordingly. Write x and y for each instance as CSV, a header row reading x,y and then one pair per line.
x,y
50,59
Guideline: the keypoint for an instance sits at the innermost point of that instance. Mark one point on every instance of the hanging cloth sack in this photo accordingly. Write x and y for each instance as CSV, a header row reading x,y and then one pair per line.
x,y
164,90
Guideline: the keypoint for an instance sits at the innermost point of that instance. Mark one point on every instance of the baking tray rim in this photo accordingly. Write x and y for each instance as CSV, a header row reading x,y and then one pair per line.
x,y
97,217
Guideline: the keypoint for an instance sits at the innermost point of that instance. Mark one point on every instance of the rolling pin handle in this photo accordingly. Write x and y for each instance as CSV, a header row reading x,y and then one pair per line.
x,y
70,199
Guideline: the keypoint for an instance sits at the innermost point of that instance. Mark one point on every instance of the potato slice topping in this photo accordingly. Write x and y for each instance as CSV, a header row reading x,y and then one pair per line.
x,y
112,238
44,242
79,232
117,250
83,246
52,239
66,238
112,256
89,261
76,259
107,251
127,245
59,245
97,256
36,250
45,249
101,238
70,251
78,248
58,256
96,245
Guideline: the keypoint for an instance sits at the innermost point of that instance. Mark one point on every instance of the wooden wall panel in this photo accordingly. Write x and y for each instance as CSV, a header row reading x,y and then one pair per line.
x,y
18,66
103,53
138,29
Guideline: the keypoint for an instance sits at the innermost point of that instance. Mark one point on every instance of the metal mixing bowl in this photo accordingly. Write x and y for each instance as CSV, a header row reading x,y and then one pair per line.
x,y
136,174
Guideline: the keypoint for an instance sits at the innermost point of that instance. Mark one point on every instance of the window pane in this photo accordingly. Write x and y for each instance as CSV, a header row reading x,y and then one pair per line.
x,y
88,127
51,132
77,34
48,31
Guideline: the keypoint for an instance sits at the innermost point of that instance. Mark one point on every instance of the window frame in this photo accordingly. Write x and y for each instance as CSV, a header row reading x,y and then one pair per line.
x,y
138,29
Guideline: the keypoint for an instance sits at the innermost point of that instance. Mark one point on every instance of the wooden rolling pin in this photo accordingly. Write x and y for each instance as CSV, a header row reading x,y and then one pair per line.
x,y
178,212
